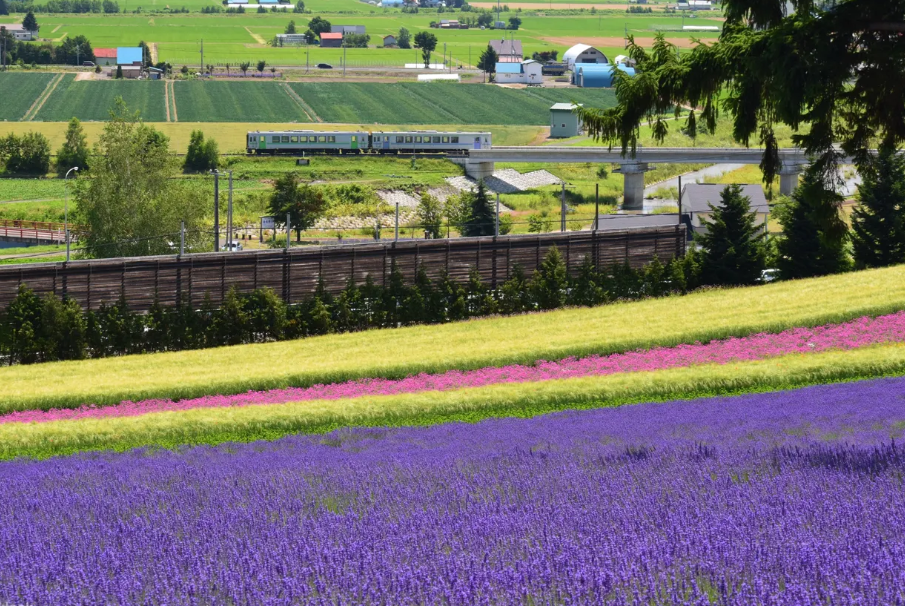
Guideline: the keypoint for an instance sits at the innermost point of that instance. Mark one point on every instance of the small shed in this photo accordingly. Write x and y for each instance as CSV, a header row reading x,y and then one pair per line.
x,y
564,122
696,199
155,73
129,56
389,41
526,72
331,40
105,56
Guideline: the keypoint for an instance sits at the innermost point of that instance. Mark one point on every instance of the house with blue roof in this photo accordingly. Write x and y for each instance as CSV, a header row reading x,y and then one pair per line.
x,y
128,55
524,72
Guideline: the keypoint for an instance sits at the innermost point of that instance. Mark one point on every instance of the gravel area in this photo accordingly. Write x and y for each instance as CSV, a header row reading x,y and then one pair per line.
x,y
393,197
507,181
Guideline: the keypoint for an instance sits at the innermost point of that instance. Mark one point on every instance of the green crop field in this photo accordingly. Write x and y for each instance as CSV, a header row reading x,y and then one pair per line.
x,y
31,189
19,92
413,103
198,101
89,100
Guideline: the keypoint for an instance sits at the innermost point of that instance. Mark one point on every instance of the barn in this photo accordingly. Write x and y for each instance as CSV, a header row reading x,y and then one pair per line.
x,y
598,76
581,54
331,40
105,56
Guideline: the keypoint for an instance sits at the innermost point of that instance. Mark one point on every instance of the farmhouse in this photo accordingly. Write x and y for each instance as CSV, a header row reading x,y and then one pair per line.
x,y
564,121
451,24
526,72
128,56
508,51
18,32
105,56
583,53
331,40
389,41
696,199
347,29
290,39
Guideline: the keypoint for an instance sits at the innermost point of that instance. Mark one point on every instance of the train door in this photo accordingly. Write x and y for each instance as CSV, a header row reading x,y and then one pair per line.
x,y
477,143
262,142
386,142
354,142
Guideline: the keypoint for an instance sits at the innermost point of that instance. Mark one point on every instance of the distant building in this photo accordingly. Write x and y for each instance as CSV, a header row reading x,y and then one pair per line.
x,y
347,29
695,5
331,40
389,41
696,199
18,32
564,122
617,222
290,40
583,53
105,56
451,24
508,51
392,3
129,56
526,72
598,75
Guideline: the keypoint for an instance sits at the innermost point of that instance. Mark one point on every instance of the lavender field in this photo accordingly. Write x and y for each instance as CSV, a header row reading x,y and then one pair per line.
x,y
785,498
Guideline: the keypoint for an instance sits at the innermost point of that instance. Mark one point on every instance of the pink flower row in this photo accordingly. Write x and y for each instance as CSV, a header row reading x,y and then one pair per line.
x,y
858,333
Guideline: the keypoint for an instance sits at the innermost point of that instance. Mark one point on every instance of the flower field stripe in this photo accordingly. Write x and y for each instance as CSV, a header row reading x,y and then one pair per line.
x,y
765,499
399,353
851,335
268,422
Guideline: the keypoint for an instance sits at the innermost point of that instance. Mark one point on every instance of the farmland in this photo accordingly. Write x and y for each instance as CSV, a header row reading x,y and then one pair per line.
x,y
88,100
20,91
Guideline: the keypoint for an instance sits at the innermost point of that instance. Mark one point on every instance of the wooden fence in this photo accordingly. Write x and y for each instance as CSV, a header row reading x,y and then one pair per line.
x,y
294,274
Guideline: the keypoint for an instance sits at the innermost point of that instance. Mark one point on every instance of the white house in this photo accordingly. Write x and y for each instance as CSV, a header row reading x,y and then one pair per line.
x,y
583,53
18,32
526,72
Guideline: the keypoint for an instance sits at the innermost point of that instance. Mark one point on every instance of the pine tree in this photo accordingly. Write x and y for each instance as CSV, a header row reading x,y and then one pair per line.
x,y
878,223
4,8
550,283
482,216
74,151
814,234
487,62
733,247
30,23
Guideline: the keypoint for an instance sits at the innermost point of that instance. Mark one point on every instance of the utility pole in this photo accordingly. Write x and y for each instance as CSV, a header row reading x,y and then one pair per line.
x,y
288,230
202,55
229,215
562,209
396,235
216,210
307,52
181,238
680,199
496,226
596,206
344,56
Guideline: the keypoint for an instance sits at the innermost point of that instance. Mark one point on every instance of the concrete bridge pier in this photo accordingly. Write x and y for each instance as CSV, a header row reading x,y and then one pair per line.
x,y
788,177
633,172
476,169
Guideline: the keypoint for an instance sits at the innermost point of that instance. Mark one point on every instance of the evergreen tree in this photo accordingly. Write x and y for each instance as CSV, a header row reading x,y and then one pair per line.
x,y
74,151
878,223
404,39
585,290
733,248
290,28
550,283
119,72
4,8
487,62
814,233
481,219
515,294
30,23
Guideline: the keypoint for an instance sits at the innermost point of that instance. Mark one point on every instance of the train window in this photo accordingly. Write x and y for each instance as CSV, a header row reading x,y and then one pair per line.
x,y
446,139
436,139
275,139
408,139
294,139
331,139
322,139
486,140
303,139
417,139
400,139
477,139
377,139
285,138
455,139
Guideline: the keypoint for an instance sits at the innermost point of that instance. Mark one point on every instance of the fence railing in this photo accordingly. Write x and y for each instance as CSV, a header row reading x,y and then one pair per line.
x,y
295,273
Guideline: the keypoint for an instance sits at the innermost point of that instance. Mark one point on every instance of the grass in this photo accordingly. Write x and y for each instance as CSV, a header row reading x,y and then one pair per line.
x,y
91,100
19,93
32,189
52,210
397,353
244,424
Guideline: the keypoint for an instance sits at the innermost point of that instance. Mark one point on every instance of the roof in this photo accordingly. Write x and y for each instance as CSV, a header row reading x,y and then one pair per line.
x,y
635,221
509,48
13,27
509,68
697,197
509,59
389,36
128,54
332,36
105,53
567,107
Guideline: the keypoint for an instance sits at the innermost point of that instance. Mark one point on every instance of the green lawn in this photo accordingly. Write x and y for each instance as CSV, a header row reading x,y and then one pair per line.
x,y
91,100
19,93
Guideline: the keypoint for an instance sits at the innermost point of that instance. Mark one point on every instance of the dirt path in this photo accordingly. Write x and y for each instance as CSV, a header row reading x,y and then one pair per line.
x,y
173,99
312,116
42,98
257,38
152,46
81,76
166,98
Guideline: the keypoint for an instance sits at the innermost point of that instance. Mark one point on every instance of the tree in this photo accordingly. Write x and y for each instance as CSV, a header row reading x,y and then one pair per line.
x,y
482,218
4,9
26,155
356,40
30,23
319,26
514,22
290,29
550,284
733,247
430,213
825,65
133,203
427,42
74,151
74,50
201,155
299,7
488,60
814,233
878,222
305,204
261,65
244,67
485,19
119,71
403,40
145,54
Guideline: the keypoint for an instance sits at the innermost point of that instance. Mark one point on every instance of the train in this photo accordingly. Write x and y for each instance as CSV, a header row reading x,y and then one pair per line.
x,y
365,142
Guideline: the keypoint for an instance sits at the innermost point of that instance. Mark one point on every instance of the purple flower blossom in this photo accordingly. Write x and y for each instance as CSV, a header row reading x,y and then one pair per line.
x,y
784,498
858,333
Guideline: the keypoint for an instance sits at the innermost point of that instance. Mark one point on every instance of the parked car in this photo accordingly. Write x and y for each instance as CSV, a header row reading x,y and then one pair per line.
x,y
87,63
324,66
234,246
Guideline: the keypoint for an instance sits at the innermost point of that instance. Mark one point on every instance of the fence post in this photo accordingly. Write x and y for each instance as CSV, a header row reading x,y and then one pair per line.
x,y
122,282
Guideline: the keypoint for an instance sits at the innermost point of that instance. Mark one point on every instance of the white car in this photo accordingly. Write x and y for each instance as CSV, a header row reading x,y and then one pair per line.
x,y
234,246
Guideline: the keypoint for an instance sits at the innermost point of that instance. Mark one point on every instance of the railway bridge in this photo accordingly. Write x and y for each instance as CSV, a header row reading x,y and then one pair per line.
x,y
480,162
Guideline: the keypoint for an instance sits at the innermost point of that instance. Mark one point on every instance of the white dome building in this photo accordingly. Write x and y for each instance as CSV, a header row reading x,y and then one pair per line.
x,y
583,53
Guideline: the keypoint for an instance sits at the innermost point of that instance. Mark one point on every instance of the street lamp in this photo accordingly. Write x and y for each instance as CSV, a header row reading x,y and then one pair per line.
x,y
66,209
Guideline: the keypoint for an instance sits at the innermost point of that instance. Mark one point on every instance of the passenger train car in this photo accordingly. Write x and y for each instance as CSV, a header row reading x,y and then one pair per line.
x,y
359,142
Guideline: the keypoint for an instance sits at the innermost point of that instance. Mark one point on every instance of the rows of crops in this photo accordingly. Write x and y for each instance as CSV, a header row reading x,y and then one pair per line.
x,y
236,102
92,100
20,91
